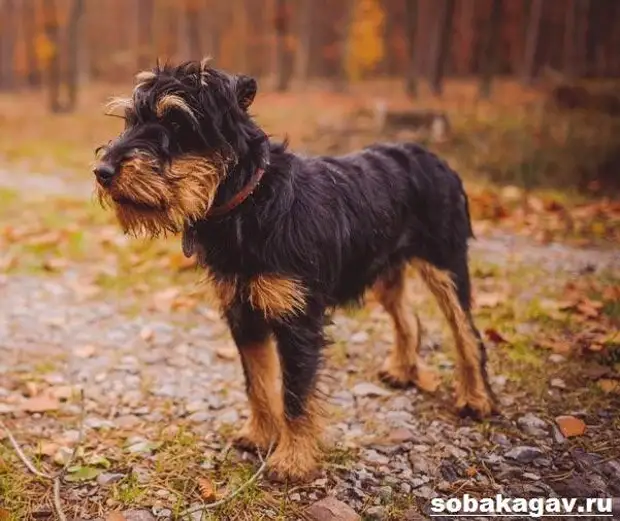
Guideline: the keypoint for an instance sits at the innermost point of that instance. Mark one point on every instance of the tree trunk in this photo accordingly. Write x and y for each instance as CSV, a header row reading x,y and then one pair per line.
x,y
411,23
7,45
443,38
194,47
302,61
145,33
491,49
51,33
281,26
531,41
73,46
30,35
570,25
344,45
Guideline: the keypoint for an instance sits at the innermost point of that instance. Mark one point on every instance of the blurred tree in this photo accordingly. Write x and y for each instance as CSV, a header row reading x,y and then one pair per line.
x,y
305,30
30,37
344,43
366,46
570,25
491,51
8,39
73,47
50,49
145,33
192,16
411,22
531,41
441,45
282,55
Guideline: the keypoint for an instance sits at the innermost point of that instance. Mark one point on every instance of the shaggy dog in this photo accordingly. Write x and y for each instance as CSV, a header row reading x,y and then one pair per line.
x,y
285,239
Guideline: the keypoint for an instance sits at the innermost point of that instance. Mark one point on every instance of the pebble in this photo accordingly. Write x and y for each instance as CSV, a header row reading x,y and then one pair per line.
x,y
331,509
533,425
376,513
369,389
107,478
524,454
138,515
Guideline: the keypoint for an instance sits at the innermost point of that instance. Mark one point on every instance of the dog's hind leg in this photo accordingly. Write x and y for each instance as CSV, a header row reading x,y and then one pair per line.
x,y
451,288
261,367
300,340
401,366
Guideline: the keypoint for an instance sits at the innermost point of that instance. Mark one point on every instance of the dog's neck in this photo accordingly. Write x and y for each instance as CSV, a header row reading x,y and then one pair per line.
x,y
244,178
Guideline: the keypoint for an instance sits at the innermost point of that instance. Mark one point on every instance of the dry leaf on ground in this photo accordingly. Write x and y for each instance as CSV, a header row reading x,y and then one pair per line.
x,y
570,426
41,403
115,516
207,489
609,386
427,380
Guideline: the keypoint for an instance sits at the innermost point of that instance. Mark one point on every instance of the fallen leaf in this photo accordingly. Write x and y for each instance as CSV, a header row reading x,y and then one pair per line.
x,y
557,346
41,403
85,351
5,515
207,489
471,471
115,516
82,473
55,264
494,336
609,386
48,448
61,392
31,389
489,300
99,461
570,426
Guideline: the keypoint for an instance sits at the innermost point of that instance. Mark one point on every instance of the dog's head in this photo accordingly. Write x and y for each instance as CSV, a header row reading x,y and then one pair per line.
x,y
186,127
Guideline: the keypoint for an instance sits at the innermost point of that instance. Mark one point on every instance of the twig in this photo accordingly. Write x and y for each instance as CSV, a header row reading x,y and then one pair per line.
x,y
21,454
235,492
58,476
57,503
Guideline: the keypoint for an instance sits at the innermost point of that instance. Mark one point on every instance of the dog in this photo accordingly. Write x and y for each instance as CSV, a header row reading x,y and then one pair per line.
x,y
286,239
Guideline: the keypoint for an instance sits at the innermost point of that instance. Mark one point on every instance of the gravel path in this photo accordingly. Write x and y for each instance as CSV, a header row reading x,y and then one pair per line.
x,y
159,369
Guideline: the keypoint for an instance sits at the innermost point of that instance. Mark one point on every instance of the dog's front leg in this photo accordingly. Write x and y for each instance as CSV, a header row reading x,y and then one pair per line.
x,y
262,377
300,340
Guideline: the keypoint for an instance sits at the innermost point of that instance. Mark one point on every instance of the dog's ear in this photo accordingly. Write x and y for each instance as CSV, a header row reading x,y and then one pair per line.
x,y
245,88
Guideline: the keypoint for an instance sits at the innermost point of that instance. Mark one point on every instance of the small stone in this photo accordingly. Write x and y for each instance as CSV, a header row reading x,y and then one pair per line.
x,y
400,435
107,478
138,515
557,435
499,439
532,425
200,417
558,383
557,358
127,422
377,513
531,475
405,488
385,492
196,406
359,338
524,454
369,389
373,456
424,492
230,416
331,509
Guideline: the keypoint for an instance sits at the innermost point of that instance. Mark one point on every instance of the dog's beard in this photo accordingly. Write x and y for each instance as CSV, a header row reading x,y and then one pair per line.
x,y
152,203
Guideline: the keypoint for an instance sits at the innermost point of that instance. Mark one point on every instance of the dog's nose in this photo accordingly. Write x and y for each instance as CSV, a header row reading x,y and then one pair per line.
x,y
104,173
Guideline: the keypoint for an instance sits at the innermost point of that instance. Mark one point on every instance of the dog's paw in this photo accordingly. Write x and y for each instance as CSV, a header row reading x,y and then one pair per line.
x,y
478,409
252,438
397,380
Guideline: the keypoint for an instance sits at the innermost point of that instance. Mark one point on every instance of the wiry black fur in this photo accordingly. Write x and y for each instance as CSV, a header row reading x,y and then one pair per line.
x,y
334,223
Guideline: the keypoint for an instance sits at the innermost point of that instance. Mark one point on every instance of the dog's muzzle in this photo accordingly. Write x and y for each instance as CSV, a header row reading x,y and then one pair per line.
x,y
104,173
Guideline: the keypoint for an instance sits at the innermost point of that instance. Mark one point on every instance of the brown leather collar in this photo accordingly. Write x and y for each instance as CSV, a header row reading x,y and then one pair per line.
x,y
239,197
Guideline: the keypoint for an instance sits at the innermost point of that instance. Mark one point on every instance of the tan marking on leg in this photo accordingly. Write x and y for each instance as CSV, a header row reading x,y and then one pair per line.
x,y
470,387
277,296
400,367
262,367
224,290
296,457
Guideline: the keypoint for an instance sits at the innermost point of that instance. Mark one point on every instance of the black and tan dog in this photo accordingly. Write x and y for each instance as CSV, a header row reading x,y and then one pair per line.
x,y
285,239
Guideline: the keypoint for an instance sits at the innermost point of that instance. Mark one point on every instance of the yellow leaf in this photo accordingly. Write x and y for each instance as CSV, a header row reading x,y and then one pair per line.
x,y
207,489
609,386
